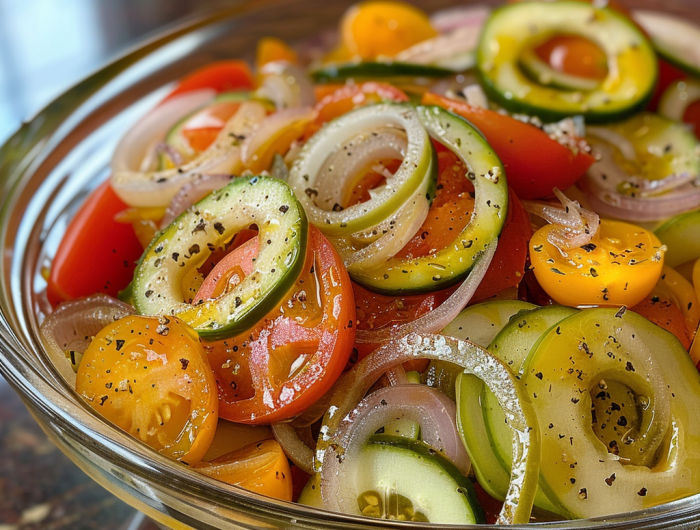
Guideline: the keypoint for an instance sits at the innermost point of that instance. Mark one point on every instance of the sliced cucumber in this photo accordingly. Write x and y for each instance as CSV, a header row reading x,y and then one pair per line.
x,y
480,323
674,38
406,480
453,263
514,342
378,70
681,235
598,355
661,148
517,27
185,244
483,423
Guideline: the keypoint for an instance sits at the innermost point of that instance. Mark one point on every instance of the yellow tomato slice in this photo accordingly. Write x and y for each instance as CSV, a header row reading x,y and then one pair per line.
x,y
619,267
374,29
150,376
273,49
260,467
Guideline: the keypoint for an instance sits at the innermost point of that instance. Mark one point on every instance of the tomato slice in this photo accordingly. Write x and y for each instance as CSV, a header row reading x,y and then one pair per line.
x,y
534,163
150,376
97,254
291,358
659,309
221,76
260,467
507,267
574,55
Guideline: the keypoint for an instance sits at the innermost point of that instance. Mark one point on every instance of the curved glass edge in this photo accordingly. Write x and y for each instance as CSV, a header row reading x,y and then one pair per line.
x,y
174,496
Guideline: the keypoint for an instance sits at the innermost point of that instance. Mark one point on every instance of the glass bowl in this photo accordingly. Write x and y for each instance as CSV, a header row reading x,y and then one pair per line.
x,y
46,170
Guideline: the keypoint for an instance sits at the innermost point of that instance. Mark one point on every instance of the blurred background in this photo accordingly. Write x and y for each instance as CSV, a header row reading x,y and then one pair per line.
x,y
45,47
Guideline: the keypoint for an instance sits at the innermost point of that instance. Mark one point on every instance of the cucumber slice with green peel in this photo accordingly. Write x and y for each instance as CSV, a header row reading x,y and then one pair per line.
x,y
614,368
406,480
176,253
675,39
480,323
394,71
515,28
482,421
681,235
453,263
661,148
514,342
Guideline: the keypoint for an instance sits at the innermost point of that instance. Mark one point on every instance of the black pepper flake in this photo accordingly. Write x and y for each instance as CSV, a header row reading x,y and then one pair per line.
x,y
310,192
219,228
539,375
589,247
583,494
284,208
120,343
103,399
158,248
337,207
148,293
238,301
629,367
175,256
184,362
201,226
621,312
556,271
609,481
594,272
642,492
194,249
622,421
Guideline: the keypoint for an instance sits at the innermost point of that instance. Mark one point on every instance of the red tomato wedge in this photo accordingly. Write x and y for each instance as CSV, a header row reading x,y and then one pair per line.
x,y
294,355
534,163
97,254
222,76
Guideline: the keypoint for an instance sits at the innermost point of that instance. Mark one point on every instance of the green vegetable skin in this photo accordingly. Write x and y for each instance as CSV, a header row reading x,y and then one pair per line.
x,y
681,235
185,244
452,264
481,420
514,27
391,71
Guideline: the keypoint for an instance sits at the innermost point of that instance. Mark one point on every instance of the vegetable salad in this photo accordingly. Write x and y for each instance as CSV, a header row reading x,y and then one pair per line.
x,y
445,270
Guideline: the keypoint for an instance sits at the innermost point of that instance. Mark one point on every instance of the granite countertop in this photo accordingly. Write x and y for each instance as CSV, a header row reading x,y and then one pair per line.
x,y
40,488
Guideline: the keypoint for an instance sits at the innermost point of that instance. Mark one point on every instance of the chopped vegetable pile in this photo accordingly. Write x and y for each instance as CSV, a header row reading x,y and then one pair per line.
x,y
444,271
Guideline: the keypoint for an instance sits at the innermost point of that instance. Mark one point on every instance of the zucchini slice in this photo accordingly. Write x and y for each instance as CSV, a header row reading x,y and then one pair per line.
x,y
174,256
516,28
378,70
453,263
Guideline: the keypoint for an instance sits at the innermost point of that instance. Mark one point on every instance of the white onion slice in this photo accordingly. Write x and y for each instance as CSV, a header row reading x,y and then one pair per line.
x,y
137,187
71,327
575,226
271,126
430,408
137,149
474,360
468,16
191,193
613,138
437,319
286,85
297,451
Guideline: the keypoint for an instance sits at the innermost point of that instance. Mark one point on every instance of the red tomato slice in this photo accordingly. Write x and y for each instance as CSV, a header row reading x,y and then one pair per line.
x,y
97,253
534,163
664,313
222,76
292,357
575,56
507,267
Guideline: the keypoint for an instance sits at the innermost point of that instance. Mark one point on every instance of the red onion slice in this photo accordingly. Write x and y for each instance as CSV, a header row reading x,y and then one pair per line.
x,y
297,451
452,18
191,193
439,318
474,360
430,408
72,326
